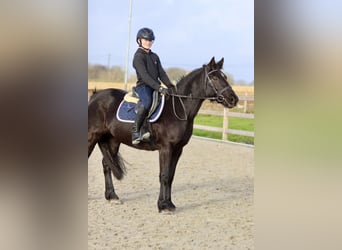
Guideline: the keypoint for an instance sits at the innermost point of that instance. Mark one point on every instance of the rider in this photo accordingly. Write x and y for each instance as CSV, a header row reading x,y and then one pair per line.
x,y
149,71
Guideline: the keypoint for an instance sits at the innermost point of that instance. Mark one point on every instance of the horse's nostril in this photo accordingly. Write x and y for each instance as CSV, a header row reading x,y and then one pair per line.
x,y
235,100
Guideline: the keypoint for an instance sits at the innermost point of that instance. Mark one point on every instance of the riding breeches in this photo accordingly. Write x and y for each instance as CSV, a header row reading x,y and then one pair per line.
x,y
145,95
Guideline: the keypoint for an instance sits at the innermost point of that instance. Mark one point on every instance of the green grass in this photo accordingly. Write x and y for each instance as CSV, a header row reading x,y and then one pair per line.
x,y
217,121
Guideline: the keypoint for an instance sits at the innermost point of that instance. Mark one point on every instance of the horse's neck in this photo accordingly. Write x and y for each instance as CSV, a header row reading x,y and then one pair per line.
x,y
194,89
193,107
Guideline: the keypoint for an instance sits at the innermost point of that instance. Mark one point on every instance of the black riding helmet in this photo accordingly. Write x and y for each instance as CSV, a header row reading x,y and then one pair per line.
x,y
145,33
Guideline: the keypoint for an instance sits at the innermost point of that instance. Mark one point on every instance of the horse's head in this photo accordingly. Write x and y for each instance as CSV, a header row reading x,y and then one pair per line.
x,y
217,84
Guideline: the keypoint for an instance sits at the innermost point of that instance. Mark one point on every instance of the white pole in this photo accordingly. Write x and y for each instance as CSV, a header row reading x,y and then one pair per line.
x,y
128,42
225,124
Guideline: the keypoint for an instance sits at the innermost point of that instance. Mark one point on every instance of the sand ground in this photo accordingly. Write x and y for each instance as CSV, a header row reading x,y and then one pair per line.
x,y
212,189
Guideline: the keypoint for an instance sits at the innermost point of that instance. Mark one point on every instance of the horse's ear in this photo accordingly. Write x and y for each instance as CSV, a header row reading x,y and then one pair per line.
x,y
212,63
220,63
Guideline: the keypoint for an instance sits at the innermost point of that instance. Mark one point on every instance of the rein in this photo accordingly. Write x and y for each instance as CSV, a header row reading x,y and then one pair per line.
x,y
219,97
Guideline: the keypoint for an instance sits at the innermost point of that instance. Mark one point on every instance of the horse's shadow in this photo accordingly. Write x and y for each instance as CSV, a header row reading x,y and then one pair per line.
x,y
225,189
236,189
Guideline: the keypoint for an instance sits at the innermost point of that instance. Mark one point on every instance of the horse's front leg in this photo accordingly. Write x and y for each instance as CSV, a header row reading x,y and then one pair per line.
x,y
168,159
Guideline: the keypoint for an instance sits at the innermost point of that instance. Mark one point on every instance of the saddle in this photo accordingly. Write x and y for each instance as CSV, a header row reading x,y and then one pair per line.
x,y
126,111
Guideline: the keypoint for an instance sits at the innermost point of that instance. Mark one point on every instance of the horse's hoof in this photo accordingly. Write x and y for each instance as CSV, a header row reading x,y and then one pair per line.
x,y
111,196
167,207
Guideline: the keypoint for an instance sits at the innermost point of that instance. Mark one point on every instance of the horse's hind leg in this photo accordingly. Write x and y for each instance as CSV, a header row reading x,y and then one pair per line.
x,y
109,192
92,140
110,163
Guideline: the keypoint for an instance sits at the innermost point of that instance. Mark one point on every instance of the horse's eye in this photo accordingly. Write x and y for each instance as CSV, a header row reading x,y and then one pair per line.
x,y
215,78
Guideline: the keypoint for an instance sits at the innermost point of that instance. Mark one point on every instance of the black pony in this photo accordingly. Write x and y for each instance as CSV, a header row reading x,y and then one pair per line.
x,y
170,133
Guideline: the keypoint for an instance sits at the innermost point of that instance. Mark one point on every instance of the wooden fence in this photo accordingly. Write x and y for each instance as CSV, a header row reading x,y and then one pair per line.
x,y
226,114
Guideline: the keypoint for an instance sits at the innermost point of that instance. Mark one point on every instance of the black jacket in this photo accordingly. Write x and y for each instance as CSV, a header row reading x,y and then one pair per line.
x,y
149,69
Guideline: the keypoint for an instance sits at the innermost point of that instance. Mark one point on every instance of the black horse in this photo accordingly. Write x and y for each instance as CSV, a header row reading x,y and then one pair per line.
x,y
170,133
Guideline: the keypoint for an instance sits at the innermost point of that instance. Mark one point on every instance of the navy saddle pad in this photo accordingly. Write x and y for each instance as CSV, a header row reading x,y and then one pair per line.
x,y
126,111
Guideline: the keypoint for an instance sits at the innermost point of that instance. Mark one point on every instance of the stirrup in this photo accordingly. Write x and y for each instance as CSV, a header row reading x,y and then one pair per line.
x,y
137,138
136,141
146,136
141,137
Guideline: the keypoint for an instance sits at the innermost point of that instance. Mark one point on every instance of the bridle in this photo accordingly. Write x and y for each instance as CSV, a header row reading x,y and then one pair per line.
x,y
218,98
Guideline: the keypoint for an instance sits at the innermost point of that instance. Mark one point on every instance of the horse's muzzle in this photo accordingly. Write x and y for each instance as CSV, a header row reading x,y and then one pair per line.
x,y
231,100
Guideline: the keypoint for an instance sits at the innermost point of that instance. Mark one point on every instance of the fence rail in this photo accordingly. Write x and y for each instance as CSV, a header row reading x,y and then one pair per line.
x,y
226,114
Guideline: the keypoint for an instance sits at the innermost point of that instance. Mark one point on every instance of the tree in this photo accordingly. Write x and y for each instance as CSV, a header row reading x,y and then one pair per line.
x,y
96,72
100,72
175,73
230,78
116,74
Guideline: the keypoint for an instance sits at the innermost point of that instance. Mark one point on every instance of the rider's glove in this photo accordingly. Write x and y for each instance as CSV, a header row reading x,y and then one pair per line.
x,y
164,91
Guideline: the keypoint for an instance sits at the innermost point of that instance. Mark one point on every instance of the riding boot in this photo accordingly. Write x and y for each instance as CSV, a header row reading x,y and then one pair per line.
x,y
136,134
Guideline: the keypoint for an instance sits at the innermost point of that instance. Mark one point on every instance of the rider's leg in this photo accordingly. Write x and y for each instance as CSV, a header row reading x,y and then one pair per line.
x,y
145,96
141,115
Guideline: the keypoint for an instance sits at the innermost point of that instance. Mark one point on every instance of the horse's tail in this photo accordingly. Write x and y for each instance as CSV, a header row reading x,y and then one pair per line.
x,y
118,167
113,159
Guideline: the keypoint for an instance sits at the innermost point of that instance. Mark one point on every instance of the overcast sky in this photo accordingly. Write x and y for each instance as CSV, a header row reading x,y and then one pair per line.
x,y
188,33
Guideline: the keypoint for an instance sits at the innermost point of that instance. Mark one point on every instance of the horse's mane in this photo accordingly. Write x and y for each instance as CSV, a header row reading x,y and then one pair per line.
x,y
188,77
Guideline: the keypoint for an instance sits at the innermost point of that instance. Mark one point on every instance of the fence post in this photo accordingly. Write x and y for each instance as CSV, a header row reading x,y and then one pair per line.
x,y
245,103
225,124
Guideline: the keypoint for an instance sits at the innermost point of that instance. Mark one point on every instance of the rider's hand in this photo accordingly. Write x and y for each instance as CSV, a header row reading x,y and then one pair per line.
x,y
164,91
